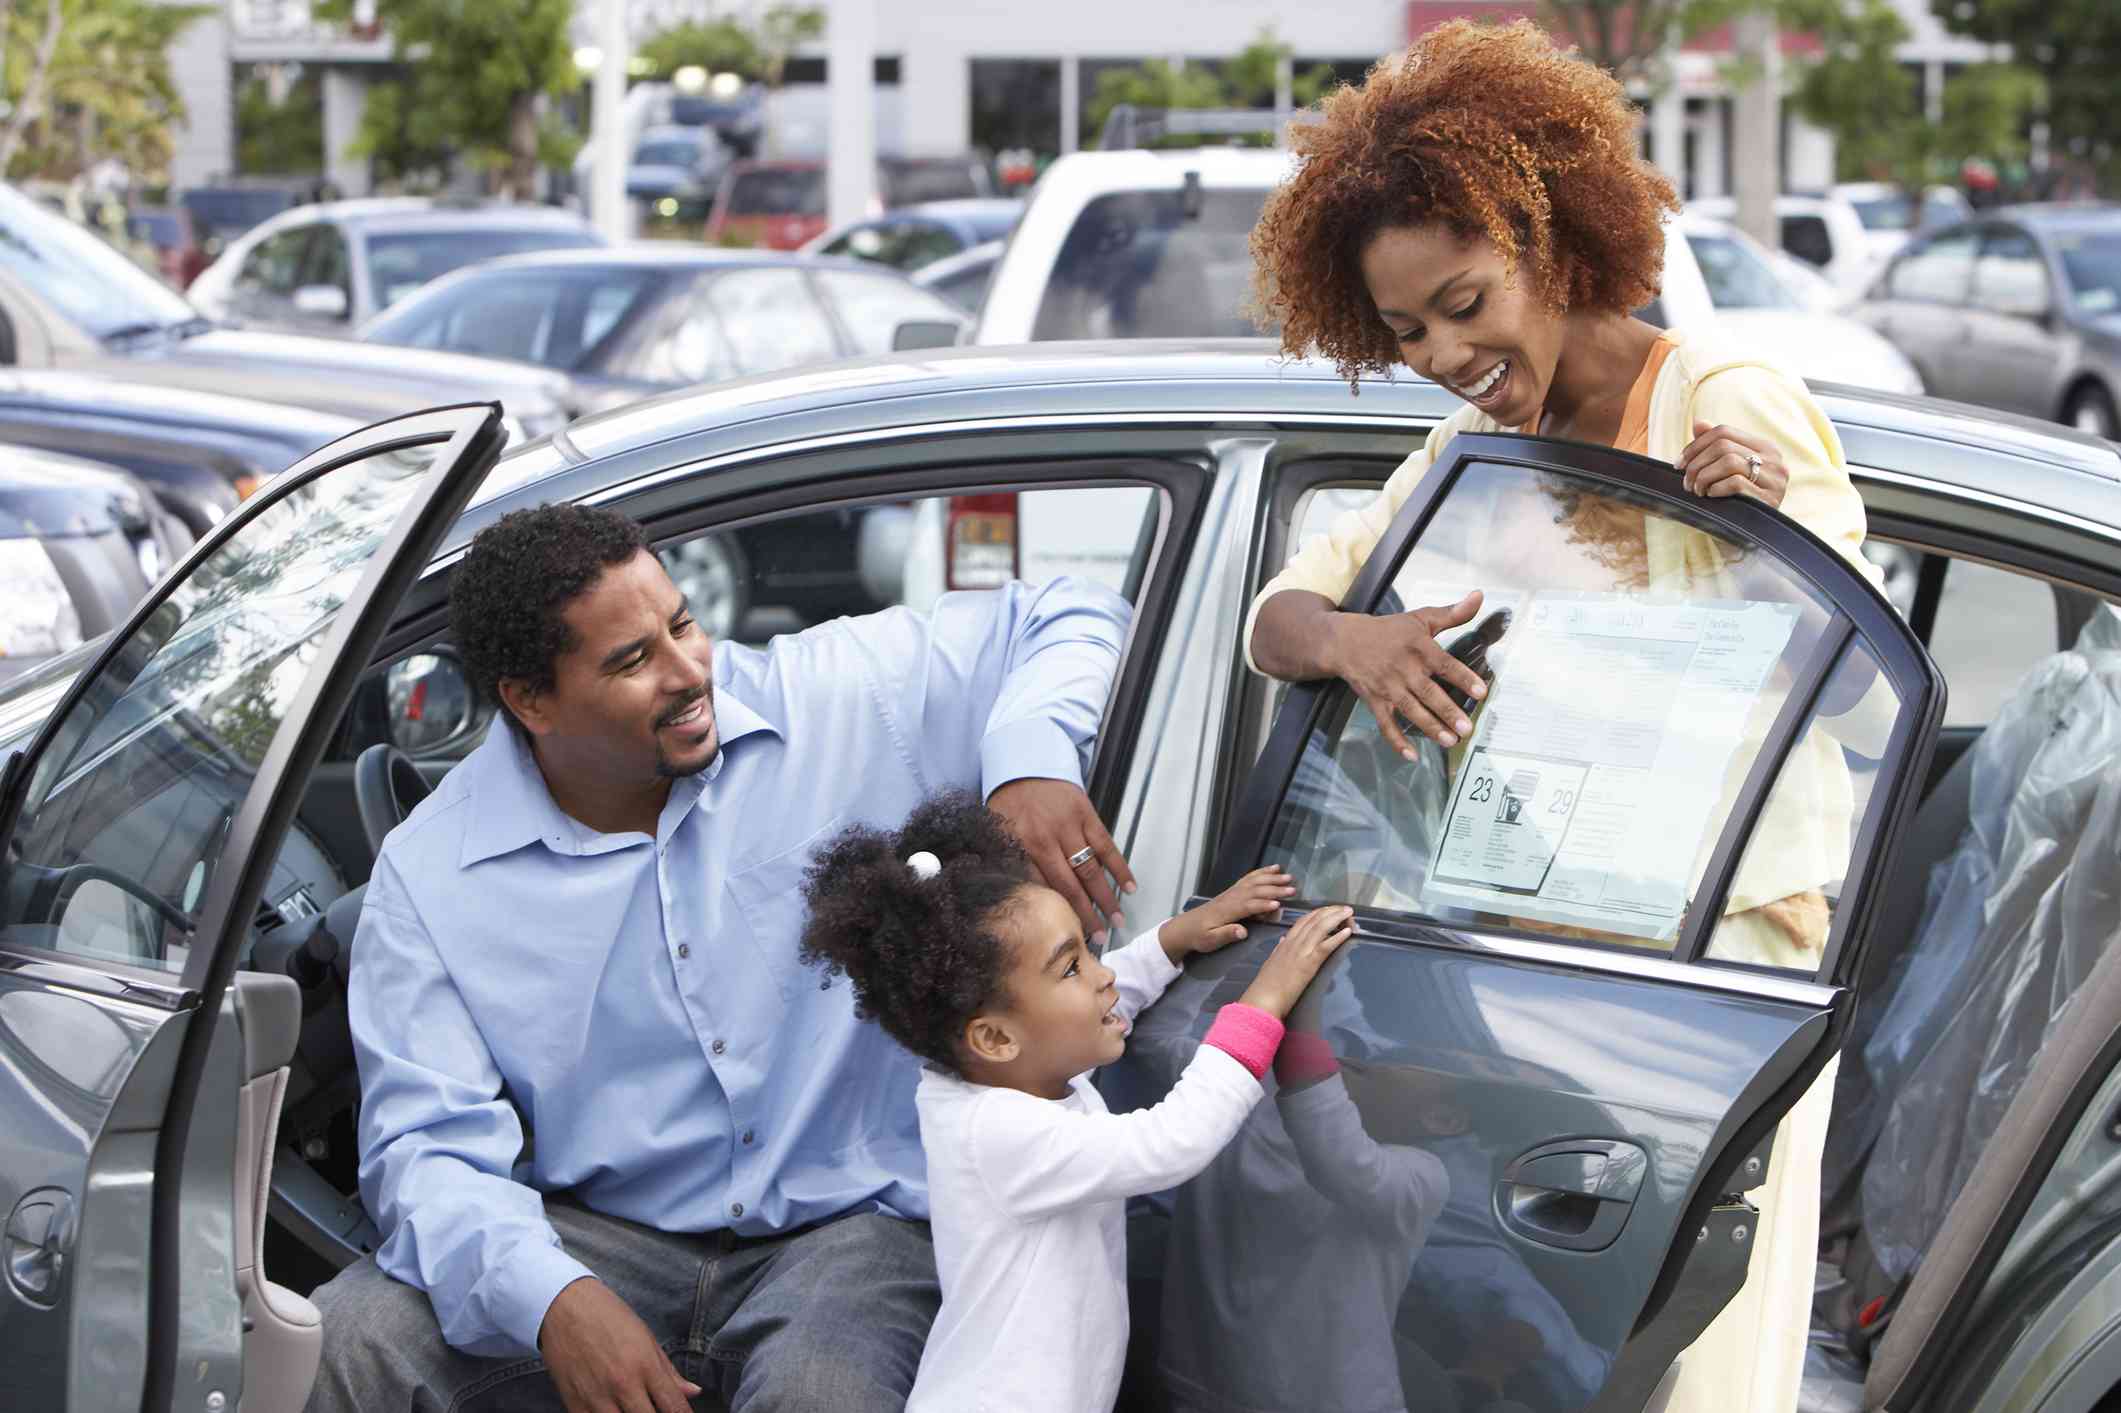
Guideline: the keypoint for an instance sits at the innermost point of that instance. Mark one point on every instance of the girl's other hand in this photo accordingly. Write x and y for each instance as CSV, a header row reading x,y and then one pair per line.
x,y
1297,958
1220,921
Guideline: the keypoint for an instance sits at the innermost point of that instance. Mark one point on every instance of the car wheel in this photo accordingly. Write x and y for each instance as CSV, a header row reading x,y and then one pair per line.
x,y
2091,409
715,578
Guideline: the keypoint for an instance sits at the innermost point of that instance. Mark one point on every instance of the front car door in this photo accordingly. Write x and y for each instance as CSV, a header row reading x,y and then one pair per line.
x,y
1921,308
2011,353
1599,956
139,827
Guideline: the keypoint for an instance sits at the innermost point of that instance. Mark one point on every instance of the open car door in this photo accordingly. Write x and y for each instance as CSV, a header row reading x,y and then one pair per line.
x,y
138,829
1519,1146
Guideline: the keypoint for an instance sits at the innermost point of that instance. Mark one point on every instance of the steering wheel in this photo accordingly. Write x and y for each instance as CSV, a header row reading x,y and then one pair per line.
x,y
386,787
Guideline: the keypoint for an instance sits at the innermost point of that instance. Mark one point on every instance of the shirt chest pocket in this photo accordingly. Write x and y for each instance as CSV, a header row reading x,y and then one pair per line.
x,y
768,899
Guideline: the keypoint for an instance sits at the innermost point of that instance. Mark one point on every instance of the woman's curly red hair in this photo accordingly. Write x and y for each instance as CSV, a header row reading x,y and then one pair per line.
x,y
1490,130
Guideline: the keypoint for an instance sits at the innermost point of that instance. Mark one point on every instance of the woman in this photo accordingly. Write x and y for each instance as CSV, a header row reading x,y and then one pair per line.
x,y
1477,212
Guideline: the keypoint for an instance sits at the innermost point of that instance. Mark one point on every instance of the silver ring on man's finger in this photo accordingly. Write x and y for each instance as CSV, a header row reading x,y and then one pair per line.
x,y
1752,469
1081,856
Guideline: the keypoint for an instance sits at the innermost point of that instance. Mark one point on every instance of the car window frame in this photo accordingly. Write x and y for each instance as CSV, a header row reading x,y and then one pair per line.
x,y
1971,234
1862,614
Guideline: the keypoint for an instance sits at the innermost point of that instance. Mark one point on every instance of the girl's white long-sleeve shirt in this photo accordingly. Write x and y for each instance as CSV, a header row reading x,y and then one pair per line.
x,y
1028,1204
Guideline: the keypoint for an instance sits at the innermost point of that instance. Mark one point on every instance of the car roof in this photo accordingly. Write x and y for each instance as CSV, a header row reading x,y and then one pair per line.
x,y
659,254
1245,381
425,213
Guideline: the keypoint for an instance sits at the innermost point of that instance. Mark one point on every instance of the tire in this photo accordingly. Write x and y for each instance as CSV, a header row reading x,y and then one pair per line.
x,y
2091,409
714,575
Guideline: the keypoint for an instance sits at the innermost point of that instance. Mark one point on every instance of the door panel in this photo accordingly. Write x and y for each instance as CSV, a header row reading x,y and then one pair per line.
x,y
140,831
1555,1048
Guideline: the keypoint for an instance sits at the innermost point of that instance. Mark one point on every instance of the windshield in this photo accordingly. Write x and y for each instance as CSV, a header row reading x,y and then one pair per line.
x,y
401,262
2091,263
778,191
1893,212
1737,277
1136,266
553,317
91,284
668,153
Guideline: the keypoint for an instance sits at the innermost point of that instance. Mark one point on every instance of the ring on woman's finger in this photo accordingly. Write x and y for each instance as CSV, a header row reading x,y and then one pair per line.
x,y
1081,856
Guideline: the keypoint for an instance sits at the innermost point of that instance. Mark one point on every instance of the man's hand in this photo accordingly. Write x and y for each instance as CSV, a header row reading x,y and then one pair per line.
x,y
1220,921
1053,820
603,1359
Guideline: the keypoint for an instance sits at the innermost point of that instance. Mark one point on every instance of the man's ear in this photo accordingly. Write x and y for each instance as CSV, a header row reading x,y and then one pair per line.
x,y
990,1039
527,704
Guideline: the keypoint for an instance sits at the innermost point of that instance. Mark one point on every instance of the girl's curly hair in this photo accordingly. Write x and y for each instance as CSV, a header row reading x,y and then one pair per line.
x,y
923,953
1490,130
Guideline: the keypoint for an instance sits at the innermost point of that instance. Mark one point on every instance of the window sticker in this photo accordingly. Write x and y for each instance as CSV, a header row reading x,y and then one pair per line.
x,y
1601,754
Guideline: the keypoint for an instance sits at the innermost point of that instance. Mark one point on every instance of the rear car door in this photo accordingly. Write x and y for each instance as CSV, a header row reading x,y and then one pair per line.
x,y
2012,352
139,827
1922,310
1600,953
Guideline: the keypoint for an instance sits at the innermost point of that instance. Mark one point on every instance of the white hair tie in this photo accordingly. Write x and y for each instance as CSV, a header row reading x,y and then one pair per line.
x,y
924,865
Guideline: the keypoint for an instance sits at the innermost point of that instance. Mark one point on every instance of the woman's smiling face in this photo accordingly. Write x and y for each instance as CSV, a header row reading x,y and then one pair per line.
x,y
1460,321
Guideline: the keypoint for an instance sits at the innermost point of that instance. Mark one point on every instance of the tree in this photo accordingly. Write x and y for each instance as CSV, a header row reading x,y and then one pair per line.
x,y
718,46
2074,46
1624,36
281,134
1246,80
475,77
89,80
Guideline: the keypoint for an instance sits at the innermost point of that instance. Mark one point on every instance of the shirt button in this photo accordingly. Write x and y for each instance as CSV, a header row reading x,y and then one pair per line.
x,y
719,1046
684,950
736,1209
747,1135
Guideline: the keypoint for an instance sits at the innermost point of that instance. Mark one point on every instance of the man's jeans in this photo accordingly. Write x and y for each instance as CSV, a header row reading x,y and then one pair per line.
x,y
830,1318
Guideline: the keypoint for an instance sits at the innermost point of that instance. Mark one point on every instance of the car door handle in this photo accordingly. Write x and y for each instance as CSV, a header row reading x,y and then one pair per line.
x,y
1574,1194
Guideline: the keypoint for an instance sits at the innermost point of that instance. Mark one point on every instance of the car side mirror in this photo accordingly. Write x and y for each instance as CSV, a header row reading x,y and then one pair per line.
x,y
926,333
321,301
429,703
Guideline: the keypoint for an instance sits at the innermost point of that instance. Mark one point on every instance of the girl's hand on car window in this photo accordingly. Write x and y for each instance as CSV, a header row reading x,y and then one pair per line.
x,y
1723,461
1397,667
1295,959
1220,921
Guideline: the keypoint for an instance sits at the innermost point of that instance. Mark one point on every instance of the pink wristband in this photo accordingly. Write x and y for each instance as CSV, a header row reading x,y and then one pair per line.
x,y
1304,1056
1247,1035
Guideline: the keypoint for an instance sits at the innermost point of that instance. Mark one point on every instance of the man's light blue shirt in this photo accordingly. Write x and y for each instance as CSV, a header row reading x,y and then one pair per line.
x,y
638,1001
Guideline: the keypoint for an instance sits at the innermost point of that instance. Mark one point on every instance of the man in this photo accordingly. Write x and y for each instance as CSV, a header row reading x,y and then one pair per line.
x,y
590,928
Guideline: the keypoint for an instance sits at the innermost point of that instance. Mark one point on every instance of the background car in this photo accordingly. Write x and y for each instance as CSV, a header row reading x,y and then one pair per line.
x,y
68,300
1821,229
79,544
1490,1047
324,269
223,210
912,237
199,453
623,321
962,278
2019,310
180,253
780,204
676,169
1756,301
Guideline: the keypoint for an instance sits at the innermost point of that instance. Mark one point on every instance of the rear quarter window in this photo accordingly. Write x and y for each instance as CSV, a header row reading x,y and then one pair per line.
x,y
1137,264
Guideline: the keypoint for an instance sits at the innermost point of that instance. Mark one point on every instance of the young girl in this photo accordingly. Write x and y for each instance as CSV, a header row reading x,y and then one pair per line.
x,y
964,957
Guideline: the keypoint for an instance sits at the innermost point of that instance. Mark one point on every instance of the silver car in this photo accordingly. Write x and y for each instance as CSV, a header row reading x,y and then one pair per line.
x,y
2019,310
190,808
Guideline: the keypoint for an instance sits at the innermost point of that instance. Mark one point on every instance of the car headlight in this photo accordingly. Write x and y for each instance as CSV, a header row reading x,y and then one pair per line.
x,y
37,614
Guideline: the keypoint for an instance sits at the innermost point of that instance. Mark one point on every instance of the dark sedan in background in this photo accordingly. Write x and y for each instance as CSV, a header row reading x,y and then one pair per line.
x,y
2020,309
624,321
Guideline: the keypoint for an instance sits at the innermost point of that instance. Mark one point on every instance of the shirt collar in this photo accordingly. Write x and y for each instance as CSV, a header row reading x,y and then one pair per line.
x,y
513,808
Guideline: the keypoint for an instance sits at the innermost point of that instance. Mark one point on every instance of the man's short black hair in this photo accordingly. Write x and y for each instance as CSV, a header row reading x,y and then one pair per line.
x,y
507,596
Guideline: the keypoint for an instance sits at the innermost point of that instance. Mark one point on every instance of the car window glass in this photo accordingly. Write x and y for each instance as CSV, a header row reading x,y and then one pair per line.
x,y
274,264
399,262
2091,266
138,788
1136,265
1892,211
872,306
1992,626
327,262
1790,878
544,316
903,245
1938,273
1806,238
771,320
908,181
90,282
967,287
2009,278
787,574
777,191
1738,278
1637,659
